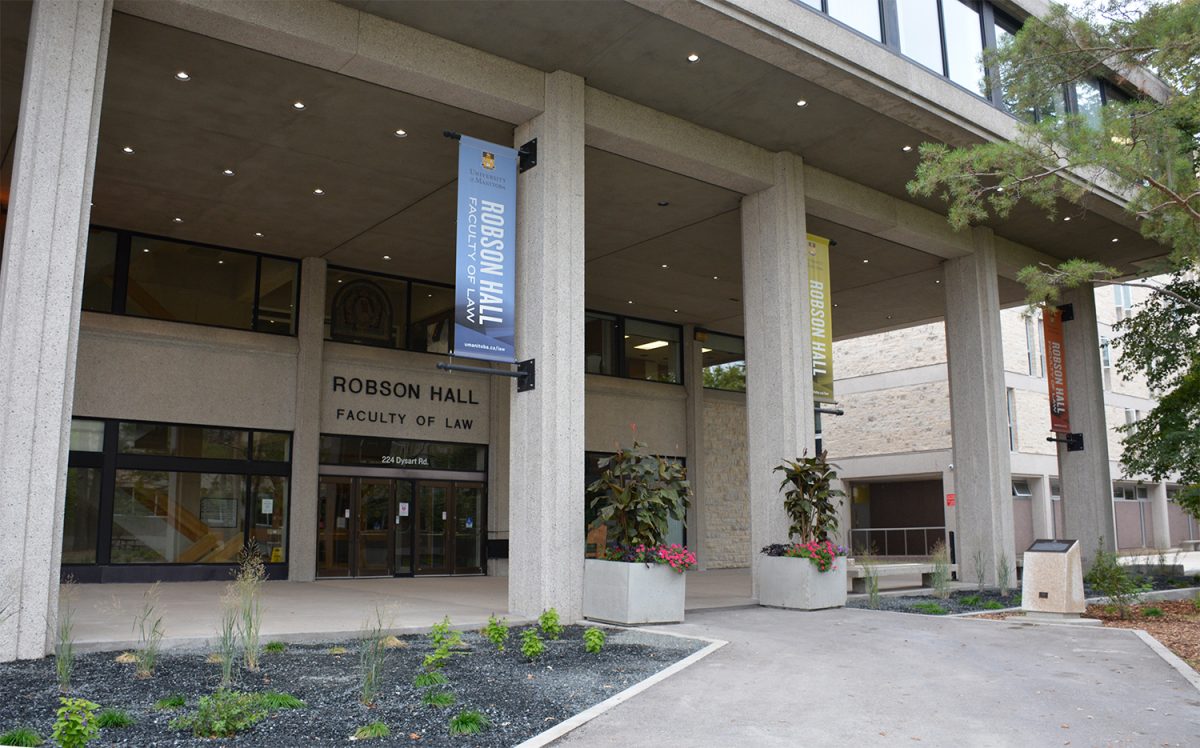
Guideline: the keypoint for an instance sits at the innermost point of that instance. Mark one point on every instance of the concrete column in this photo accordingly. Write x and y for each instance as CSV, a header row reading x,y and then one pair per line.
x,y
779,403
41,282
546,428
1043,508
306,438
975,356
1158,512
1085,480
693,378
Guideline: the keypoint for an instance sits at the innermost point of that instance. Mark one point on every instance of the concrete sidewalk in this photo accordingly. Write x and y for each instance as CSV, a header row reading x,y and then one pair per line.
x,y
865,678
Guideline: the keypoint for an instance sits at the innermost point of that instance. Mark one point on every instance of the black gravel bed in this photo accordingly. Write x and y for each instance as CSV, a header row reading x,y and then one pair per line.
x,y
520,698
951,605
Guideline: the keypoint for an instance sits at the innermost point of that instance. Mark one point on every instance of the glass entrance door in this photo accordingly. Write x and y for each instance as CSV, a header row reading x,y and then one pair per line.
x,y
335,498
373,549
363,527
449,527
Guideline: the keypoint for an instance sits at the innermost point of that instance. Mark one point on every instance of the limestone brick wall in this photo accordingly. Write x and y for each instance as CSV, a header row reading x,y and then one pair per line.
x,y
726,483
1015,339
890,351
1033,423
899,419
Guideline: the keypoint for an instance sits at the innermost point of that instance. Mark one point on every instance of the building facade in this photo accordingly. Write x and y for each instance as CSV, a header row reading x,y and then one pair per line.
x,y
229,243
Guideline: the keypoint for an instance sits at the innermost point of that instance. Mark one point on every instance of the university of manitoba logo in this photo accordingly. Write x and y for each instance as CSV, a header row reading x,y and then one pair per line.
x,y
489,160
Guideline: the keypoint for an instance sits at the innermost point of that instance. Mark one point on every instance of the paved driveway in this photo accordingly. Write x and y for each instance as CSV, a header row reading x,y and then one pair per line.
x,y
865,678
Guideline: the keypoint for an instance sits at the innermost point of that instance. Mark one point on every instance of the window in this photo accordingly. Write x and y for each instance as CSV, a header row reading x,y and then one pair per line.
x,y
1020,488
1035,343
1088,102
1011,398
723,358
375,451
388,312
920,33
143,276
1106,361
860,15
1123,301
432,318
600,334
652,351
1128,492
964,44
1131,416
154,493
1055,490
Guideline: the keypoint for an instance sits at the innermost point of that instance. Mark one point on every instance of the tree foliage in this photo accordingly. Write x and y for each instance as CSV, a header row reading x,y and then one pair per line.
x,y
1145,150
726,377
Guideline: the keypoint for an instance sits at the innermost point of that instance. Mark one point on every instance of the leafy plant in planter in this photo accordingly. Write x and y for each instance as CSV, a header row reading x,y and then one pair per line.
x,y
811,503
638,493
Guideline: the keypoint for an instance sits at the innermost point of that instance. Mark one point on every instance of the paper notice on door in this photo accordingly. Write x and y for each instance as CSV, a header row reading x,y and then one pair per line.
x,y
341,523
347,514
443,516
268,506
403,508
470,522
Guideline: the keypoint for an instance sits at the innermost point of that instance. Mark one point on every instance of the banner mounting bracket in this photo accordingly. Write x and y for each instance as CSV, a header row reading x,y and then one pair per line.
x,y
524,373
528,156
1073,441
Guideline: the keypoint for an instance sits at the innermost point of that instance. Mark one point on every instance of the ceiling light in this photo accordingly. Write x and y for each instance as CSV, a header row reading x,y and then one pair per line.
x,y
258,234
652,345
318,191
127,149
227,172
299,105
716,277
705,350
906,148
663,203
401,133
835,306
664,266
889,316
937,281
182,76
627,337
429,296
999,189
177,220
801,102
675,310
339,280
145,249
220,262
1066,218
693,57
630,301
865,261
1115,240
387,257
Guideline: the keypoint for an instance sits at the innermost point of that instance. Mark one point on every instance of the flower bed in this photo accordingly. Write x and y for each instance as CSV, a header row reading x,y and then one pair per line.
x,y
676,556
823,554
520,698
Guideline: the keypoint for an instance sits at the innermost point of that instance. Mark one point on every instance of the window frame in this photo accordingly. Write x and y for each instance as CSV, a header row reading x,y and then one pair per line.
x,y
408,282
621,359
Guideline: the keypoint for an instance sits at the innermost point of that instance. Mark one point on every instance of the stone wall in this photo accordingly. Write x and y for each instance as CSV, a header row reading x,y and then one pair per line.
x,y
727,501
899,419
890,351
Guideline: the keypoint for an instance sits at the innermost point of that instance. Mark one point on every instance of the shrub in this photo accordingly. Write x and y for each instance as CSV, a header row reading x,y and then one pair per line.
x,y
1112,580
372,655
980,559
114,718
174,701
867,560
274,701
469,722
373,730
496,632
21,737
76,724
223,714
64,642
1152,612
444,639
810,500
438,698
940,578
275,648
431,679
548,623
971,601
531,644
227,639
248,585
148,625
638,493
593,640
992,605
929,609
1002,574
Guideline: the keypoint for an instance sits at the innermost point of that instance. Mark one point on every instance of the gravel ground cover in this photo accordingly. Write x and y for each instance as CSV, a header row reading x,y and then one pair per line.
x,y
959,601
521,698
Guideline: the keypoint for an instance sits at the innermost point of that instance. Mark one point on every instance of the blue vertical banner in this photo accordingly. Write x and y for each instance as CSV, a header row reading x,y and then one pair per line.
x,y
485,268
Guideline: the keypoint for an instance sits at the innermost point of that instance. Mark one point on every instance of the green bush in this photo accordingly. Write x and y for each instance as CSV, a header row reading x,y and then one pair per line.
x,y
114,718
274,701
275,648
223,714
174,701
929,609
76,724
1112,580
548,623
971,600
373,730
430,679
469,722
1152,612
496,632
940,578
531,644
593,640
993,605
441,699
21,737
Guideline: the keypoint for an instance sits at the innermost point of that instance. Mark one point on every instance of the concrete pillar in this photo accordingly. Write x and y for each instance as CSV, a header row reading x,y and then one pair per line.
x,y
779,402
1159,515
41,282
693,379
1086,482
1043,508
306,439
546,427
975,356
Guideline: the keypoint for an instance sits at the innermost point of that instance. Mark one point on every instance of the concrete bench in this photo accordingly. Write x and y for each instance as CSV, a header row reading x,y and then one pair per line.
x,y
1190,545
858,573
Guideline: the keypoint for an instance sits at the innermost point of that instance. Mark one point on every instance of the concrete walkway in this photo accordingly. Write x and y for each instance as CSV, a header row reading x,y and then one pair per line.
x,y
866,678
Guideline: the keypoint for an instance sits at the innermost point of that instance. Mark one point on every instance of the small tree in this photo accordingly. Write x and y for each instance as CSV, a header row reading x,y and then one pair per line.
x,y
811,501
639,492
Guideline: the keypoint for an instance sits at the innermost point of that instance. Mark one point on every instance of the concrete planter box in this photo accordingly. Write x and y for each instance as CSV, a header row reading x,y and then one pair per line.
x,y
620,592
795,583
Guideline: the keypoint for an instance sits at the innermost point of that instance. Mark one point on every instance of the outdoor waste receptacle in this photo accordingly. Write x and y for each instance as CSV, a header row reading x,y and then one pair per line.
x,y
1053,578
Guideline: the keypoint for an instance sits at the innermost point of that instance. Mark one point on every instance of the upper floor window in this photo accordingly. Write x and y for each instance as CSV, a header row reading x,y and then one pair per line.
x,y
724,360
964,44
143,276
632,348
860,15
1106,361
920,33
388,312
1035,346
1123,301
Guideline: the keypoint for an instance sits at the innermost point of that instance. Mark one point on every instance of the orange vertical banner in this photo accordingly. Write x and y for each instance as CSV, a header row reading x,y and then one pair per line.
x,y
1056,371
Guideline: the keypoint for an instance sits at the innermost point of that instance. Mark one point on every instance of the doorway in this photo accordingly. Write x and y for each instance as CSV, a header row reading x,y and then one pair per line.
x,y
371,526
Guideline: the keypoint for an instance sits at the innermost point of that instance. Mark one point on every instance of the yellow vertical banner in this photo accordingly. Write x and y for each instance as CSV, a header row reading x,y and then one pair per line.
x,y
820,309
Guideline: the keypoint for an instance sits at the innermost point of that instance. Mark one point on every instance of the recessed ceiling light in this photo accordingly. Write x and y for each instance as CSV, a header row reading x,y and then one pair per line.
x,y
801,102
258,234
663,203
182,76
906,148
1066,218
889,316
401,133
716,277
652,345
298,105
227,172
664,266
865,261
387,257
693,57
220,262
630,301
429,296
177,220
339,280
937,281
1115,240
835,306
318,191
127,149
146,249
675,310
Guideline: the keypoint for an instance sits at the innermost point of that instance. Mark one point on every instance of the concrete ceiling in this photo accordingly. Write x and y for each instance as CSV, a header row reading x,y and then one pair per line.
x,y
385,195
